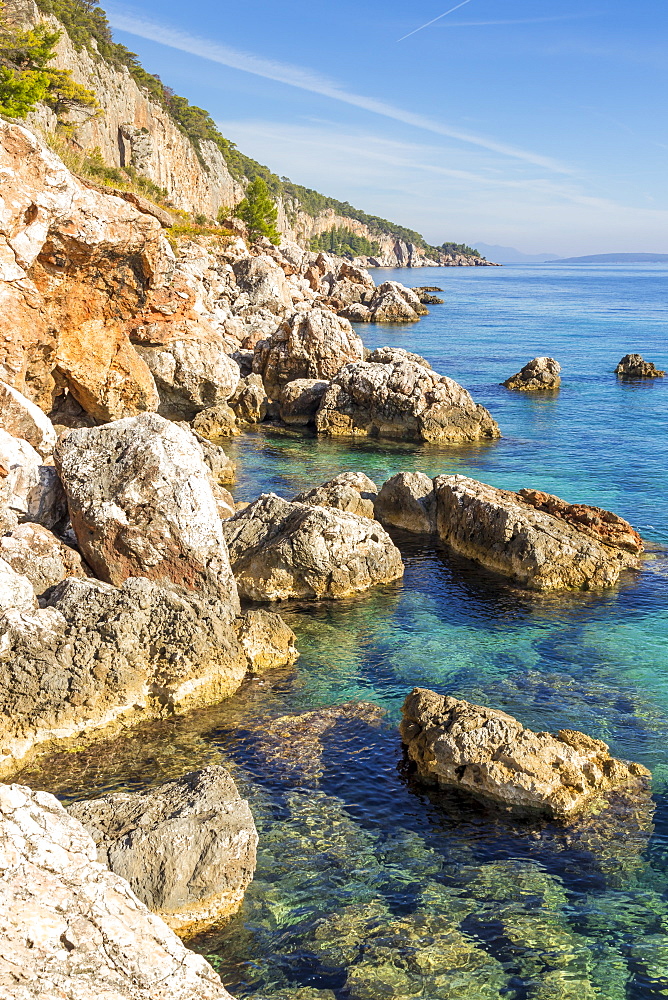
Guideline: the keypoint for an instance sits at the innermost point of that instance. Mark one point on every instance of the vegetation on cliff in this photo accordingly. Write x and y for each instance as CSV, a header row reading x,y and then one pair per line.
x,y
344,243
259,212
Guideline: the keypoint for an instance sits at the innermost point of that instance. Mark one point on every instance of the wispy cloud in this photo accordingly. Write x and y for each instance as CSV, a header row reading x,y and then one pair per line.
x,y
434,20
519,20
314,83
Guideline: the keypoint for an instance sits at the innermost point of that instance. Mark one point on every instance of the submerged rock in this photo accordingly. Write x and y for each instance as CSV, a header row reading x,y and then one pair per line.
x,y
540,373
539,541
280,549
266,640
73,929
407,501
96,654
142,504
186,848
350,491
633,366
490,754
311,345
404,401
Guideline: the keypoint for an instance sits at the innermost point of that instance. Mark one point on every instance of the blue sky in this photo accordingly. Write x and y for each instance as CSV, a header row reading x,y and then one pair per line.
x,y
536,125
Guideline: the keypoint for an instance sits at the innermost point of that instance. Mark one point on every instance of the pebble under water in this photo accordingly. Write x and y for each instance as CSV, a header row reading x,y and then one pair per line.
x,y
366,886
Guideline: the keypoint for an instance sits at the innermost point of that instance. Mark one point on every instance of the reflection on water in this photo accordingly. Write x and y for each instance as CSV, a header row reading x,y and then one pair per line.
x,y
366,886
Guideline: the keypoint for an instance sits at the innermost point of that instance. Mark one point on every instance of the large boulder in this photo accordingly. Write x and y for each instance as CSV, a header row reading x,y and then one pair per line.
x,y
141,504
249,400
299,400
263,284
186,848
634,366
29,490
35,552
191,375
73,929
407,501
21,418
216,423
311,345
488,753
350,491
537,374
96,654
404,401
537,540
393,303
280,549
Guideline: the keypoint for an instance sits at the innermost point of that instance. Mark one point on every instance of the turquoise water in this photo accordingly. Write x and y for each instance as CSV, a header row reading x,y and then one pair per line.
x,y
367,888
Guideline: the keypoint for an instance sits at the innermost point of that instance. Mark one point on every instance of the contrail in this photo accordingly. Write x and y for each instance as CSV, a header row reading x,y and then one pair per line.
x,y
433,20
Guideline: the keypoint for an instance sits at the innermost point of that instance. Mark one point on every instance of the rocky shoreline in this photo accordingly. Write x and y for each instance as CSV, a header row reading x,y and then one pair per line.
x,y
124,559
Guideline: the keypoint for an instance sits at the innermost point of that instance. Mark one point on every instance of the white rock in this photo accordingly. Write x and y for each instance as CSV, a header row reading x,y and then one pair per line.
x,y
22,418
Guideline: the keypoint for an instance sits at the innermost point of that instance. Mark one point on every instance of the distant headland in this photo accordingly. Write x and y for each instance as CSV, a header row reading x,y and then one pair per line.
x,y
615,258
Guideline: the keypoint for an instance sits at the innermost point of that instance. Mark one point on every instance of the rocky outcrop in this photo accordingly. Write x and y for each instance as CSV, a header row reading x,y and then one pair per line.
x,y
29,490
537,540
350,491
404,401
299,400
70,927
280,549
96,654
490,754
186,848
142,504
540,373
313,345
21,418
36,553
266,640
407,501
392,303
633,366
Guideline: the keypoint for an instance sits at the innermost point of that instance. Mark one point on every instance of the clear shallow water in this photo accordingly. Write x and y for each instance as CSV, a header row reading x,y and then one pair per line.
x,y
365,887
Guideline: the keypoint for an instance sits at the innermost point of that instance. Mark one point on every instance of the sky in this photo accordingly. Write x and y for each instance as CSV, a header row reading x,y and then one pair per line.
x,y
538,125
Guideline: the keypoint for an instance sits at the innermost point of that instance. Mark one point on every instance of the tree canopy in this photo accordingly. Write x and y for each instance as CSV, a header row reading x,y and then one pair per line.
x,y
259,211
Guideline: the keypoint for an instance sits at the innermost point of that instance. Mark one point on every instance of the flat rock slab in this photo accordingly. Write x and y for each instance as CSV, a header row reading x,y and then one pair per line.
x,y
491,755
280,550
187,848
538,540
70,928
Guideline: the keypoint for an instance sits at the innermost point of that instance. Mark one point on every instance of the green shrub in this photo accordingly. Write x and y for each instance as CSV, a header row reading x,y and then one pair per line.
x,y
259,212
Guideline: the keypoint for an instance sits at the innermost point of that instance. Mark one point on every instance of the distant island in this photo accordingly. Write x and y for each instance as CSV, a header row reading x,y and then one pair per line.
x,y
615,258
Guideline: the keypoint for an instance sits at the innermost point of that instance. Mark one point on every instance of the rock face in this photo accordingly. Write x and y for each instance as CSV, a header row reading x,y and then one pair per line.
x,y
404,401
70,927
141,504
537,540
350,491
280,549
490,754
186,849
35,552
96,654
407,501
299,400
22,419
266,640
540,373
313,345
633,366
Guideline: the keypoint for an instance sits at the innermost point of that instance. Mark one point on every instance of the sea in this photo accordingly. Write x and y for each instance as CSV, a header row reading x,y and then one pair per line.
x,y
369,886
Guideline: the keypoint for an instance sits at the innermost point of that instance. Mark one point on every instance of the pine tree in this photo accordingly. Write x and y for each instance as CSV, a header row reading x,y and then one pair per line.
x,y
259,212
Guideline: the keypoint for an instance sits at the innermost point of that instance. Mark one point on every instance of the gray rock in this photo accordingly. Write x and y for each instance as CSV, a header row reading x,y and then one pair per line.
x,y
280,549
404,401
350,491
490,754
35,552
21,418
634,366
16,591
27,487
388,355
266,640
356,312
311,345
71,928
96,654
249,401
190,375
186,848
142,504
537,374
537,540
407,501
393,303
299,400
